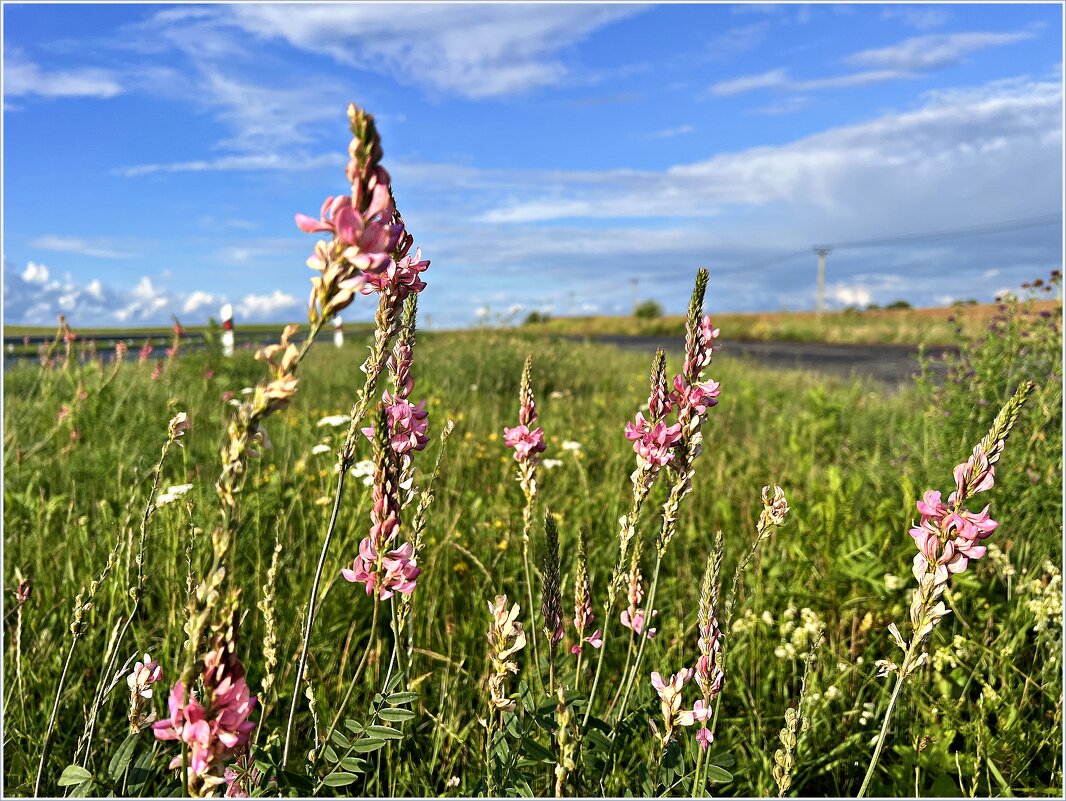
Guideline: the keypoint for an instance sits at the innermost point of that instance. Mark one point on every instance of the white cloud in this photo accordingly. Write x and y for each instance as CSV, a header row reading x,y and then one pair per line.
x,y
35,273
920,17
850,295
83,247
23,78
670,133
914,167
144,302
476,50
199,299
933,51
747,83
262,307
237,163
899,61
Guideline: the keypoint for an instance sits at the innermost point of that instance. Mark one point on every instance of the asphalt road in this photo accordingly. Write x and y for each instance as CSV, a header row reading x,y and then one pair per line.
x,y
888,364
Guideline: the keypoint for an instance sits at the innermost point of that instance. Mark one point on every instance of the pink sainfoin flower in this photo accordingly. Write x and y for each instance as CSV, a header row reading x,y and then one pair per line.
x,y
949,535
241,777
635,621
583,614
384,570
408,424
699,397
64,413
401,276
214,727
526,440
145,353
140,680
653,443
526,443
387,573
709,332
368,235
671,703
157,371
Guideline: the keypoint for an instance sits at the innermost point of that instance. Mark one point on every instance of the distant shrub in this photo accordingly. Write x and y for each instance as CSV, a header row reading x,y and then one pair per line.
x,y
648,310
872,307
898,304
967,302
535,317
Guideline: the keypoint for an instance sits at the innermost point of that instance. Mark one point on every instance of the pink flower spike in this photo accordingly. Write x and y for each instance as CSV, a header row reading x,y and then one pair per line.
x,y
526,443
704,737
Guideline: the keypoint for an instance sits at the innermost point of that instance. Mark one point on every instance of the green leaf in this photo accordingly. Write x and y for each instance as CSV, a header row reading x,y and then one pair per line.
x,y
396,715
296,781
723,760
598,740
329,754
402,698
354,727
84,790
74,774
718,775
535,750
367,744
122,758
339,779
386,732
340,740
353,765
139,773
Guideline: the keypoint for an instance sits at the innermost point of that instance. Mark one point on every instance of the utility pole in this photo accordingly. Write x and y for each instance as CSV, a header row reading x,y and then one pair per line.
x,y
822,252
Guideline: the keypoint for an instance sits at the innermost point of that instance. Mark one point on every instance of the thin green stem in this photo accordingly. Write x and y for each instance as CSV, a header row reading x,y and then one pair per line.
x,y
52,719
884,726
358,670
311,612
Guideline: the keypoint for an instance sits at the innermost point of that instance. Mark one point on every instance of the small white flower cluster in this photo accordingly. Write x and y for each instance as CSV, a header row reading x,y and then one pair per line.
x,y
798,636
951,655
749,621
334,420
867,714
894,583
365,470
999,562
1046,601
172,494
551,464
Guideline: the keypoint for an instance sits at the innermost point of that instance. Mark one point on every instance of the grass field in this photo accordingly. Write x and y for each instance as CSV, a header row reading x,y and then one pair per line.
x,y
983,716
932,326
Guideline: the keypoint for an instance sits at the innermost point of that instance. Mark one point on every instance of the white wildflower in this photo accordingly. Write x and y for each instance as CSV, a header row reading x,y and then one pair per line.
x,y
334,420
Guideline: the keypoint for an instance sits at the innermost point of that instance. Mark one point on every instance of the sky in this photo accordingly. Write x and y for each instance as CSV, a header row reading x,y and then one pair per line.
x,y
554,158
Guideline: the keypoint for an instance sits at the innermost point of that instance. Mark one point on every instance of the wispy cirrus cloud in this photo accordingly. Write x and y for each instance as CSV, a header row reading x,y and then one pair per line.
x,y
237,163
23,78
473,51
906,59
97,249
933,51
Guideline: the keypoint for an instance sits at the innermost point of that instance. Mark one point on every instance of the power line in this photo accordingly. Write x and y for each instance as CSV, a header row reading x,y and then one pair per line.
x,y
977,230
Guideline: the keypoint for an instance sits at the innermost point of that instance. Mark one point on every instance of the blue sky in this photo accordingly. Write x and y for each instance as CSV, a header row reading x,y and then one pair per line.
x,y
544,156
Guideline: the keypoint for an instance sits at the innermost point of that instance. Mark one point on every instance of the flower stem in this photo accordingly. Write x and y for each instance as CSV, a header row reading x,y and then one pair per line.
x,y
52,719
884,726
311,613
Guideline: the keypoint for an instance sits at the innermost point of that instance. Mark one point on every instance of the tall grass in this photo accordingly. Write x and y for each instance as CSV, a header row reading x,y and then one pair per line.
x,y
422,684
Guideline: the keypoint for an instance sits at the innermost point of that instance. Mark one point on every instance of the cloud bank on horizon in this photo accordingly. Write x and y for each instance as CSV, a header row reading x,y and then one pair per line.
x,y
546,158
